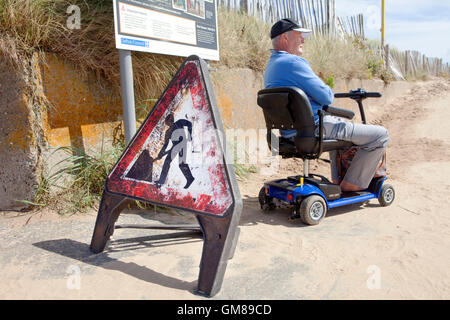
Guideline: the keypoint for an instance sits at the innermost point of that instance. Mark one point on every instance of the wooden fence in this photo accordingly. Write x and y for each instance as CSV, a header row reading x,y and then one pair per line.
x,y
318,15
352,25
414,63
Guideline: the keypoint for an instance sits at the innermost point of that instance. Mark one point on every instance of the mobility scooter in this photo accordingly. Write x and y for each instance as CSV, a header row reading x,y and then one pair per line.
x,y
310,195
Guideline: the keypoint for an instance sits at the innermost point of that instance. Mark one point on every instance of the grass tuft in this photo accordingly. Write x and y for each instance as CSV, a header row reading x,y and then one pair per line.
x,y
78,180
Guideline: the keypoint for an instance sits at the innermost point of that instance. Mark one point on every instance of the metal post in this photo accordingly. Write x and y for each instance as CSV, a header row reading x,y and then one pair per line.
x,y
126,84
382,23
305,167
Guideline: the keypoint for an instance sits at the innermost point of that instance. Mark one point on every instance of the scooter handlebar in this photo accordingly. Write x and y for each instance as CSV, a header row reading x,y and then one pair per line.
x,y
373,94
358,94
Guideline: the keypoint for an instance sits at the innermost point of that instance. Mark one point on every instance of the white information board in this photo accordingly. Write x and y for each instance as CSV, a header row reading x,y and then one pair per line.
x,y
173,27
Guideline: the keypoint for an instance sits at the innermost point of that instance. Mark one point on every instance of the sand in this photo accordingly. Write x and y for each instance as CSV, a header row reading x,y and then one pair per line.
x,y
357,252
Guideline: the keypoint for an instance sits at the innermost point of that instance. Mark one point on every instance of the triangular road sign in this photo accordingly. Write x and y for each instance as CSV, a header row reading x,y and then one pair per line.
x,y
176,158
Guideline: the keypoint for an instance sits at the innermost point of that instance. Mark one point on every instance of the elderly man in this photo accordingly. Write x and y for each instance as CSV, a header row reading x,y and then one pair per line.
x,y
286,67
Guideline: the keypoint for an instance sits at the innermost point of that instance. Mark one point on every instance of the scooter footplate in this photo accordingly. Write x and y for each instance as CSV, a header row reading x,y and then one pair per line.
x,y
346,195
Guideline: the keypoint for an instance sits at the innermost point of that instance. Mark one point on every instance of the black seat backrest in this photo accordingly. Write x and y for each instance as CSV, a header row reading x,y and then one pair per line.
x,y
289,108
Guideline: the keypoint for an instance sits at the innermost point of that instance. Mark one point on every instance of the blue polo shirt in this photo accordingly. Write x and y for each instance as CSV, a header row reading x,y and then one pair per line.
x,y
285,69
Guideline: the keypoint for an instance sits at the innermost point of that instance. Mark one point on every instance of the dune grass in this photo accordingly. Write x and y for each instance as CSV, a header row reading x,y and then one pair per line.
x,y
40,25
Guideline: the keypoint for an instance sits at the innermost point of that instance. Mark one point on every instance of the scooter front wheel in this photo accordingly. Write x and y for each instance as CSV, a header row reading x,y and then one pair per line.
x,y
387,195
312,210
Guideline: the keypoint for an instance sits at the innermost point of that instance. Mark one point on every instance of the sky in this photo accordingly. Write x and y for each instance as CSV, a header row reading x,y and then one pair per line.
x,y
409,24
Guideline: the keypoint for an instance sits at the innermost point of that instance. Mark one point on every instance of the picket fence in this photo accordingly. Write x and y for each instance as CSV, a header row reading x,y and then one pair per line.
x,y
318,15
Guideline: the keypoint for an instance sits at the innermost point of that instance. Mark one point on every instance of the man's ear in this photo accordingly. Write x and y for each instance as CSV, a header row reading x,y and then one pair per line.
x,y
284,38
283,41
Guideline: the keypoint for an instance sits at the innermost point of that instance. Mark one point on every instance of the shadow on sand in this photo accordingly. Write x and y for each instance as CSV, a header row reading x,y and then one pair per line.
x,y
81,252
253,214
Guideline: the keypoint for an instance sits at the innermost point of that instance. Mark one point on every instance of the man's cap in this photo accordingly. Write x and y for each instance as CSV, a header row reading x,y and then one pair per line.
x,y
285,25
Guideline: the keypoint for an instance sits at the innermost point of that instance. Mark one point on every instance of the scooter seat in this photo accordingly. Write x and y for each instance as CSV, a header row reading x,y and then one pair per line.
x,y
287,147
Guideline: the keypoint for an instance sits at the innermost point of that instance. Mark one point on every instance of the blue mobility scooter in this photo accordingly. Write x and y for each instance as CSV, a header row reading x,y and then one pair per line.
x,y
310,195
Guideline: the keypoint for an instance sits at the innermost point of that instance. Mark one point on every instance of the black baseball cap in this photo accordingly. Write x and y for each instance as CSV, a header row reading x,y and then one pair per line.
x,y
285,25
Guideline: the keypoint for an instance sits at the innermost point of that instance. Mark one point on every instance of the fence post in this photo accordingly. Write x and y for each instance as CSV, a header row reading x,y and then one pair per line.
x,y
328,17
413,62
244,6
406,62
386,55
361,26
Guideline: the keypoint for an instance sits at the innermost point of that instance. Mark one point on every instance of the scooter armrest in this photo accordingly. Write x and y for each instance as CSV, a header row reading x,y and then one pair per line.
x,y
339,112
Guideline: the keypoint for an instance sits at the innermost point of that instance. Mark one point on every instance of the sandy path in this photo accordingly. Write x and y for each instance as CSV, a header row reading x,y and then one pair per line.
x,y
357,252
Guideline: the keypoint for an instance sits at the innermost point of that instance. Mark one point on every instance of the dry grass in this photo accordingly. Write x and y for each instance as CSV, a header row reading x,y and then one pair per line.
x,y
34,25
243,41
341,58
9,50
40,25
27,26
93,48
24,28
31,22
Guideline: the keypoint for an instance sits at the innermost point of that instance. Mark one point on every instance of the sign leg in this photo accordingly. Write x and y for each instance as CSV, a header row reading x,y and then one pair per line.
x,y
108,213
220,238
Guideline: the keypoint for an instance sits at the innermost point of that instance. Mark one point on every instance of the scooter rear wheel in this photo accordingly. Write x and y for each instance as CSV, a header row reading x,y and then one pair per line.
x,y
312,210
265,201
